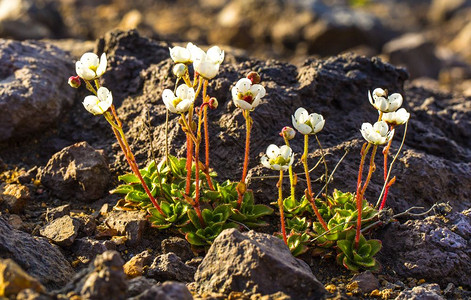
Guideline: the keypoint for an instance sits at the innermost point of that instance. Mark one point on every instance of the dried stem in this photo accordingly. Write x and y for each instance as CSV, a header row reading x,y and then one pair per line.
x,y
326,169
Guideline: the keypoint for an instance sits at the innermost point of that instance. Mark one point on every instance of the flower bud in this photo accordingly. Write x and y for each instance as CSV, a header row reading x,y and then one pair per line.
x,y
288,133
179,70
213,103
254,77
74,81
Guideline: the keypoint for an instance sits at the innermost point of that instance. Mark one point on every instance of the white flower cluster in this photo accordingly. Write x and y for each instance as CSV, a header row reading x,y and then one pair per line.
x,y
388,107
91,67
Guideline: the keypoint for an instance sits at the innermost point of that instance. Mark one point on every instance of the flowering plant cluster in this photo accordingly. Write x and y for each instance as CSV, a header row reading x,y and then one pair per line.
x,y
183,193
335,221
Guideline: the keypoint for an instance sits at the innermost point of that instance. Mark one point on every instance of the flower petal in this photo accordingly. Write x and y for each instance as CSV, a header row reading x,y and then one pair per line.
x,y
242,104
182,91
83,71
167,97
264,161
258,90
102,66
273,151
301,115
395,101
183,106
243,85
285,151
215,54
90,59
91,104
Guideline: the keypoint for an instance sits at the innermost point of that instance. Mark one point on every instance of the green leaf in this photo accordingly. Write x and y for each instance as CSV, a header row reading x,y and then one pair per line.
x,y
122,189
346,247
364,250
260,210
129,178
194,218
349,264
195,240
375,246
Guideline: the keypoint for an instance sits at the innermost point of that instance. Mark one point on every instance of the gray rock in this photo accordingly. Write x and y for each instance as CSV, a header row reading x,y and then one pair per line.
x,y
416,52
366,282
30,294
77,172
35,255
128,223
441,10
167,291
33,81
423,292
57,212
88,248
102,278
135,266
14,197
179,246
432,249
255,263
170,267
107,278
62,231
138,285
30,19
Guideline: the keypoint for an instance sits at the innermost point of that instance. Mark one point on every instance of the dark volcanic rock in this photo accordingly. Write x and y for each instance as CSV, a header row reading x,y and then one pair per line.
x,y
167,291
423,292
436,248
14,197
57,212
87,248
139,285
179,246
61,231
128,223
255,263
77,172
104,276
33,81
170,267
35,255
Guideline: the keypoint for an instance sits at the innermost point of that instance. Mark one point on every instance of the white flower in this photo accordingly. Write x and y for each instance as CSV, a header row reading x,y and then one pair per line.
x,y
377,134
307,123
247,95
180,54
90,67
398,117
179,70
195,51
180,103
98,105
207,64
383,104
278,158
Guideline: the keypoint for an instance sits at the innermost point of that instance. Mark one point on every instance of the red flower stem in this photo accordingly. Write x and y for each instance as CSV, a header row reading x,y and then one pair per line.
x,y
206,136
386,190
197,170
280,206
326,170
308,180
189,156
359,196
123,143
248,122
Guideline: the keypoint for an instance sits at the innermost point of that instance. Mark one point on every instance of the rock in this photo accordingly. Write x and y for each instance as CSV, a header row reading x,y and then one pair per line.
x,y
255,263
179,246
129,223
135,266
13,279
28,19
35,255
14,197
62,231
167,291
87,248
16,222
462,39
106,279
436,249
104,276
441,10
341,28
139,285
194,262
28,176
416,52
170,267
30,294
364,282
34,90
57,212
423,292
77,172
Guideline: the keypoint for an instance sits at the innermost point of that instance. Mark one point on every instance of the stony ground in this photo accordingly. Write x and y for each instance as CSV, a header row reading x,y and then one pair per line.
x,y
61,238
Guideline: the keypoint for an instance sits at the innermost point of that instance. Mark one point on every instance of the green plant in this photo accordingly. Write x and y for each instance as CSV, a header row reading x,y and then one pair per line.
x,y
355,256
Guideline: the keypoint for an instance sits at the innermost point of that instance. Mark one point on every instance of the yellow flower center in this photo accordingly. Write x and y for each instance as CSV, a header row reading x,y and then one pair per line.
x,y
278,161
176,101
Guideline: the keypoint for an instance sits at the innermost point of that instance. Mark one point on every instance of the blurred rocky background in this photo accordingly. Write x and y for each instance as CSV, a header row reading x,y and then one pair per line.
x,y
429,37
